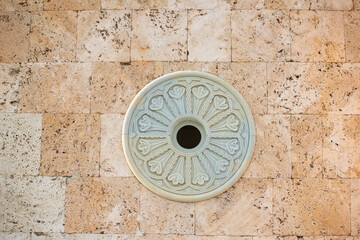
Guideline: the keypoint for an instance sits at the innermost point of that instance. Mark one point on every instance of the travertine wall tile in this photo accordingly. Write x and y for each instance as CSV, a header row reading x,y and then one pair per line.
x,y
194,237
287,4
150,236
64,236
104,35
341,135
21,5
295,88
159,35
249,79
112,87
20,140
355,207
60,5
159,215
70,145
331,4
247,4
53,36
138,4
311,207
338,238
145,72
356,4
102,205
32,204
62,87
15,235
352,36
204,4
14,37
210,67
260,35
271,157
244,209
112,159
10,76
306,146
209,35
317,36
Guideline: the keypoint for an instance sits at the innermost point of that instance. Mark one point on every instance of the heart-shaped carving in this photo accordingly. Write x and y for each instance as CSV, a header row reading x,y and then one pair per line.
x,y
200,179
144,146
232,146
176,178
200,92
157,103
177,92
145,123
220,103
155,166
232,123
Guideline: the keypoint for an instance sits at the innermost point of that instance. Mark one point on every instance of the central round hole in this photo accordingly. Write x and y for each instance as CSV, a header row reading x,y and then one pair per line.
x,y
188,137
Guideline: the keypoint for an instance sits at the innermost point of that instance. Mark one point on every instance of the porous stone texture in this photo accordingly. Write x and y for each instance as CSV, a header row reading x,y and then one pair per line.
x,y
317,36
331,4
287,4
355,207
70,145
138,4
61,5
20,140
10,76
15,235
352,36
102,205
21,5
32,204
159,35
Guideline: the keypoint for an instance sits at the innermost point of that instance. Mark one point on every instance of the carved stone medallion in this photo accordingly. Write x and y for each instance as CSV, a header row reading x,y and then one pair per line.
x,y
188,136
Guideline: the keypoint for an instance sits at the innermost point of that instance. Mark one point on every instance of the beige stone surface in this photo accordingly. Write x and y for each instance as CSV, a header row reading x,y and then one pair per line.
x,y
32,204
61,5
112,88
209,67
248,4
20,144
272,152
47,45
295,88
209,35
194,237
306,207
138,4
70,145
14,37
355,207
104,35
306,146
15,235
159,215
317,36
352,36
249,79
205,4
287,4
60,87
65,236
21,5
159,35
356,4
10,76
260,35
245,209
102,205
341,135
145,72
112,159
331,4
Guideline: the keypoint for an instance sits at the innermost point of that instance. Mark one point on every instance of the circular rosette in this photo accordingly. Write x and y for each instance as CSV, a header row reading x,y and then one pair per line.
x,y
188,136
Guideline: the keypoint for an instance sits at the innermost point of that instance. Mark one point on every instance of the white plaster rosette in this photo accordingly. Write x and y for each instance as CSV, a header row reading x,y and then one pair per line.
x,y
201,100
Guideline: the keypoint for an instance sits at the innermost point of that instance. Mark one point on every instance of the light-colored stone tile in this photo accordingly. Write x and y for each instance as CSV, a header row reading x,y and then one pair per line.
x,y
317,36
147,236
138,4
14,37
145,72
102,205
204,4
311,207
14,236
159,35
271,157
61,5
53,36
331,4
159,215
306,146
209,67
61,87
355,207
32,204
21,5
352,36
248,4
112,88
244,209
249,79
70,145
287,4
260,35
194,237
10,76
20,144
64,236
341,136
104,35
295,88
338,238
356,4
209,35
112,159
